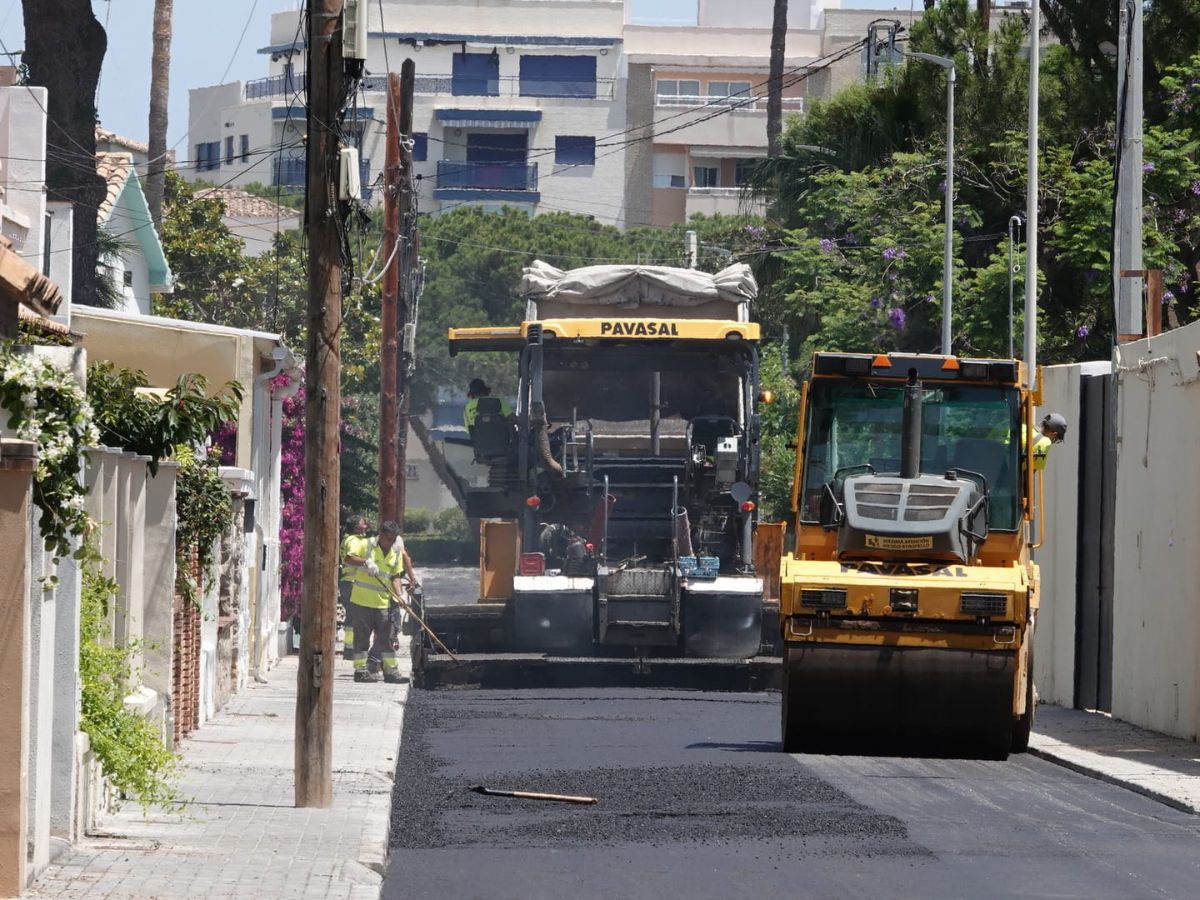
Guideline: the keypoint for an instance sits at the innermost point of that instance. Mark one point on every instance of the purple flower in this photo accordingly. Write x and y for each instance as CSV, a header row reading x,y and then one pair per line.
x,y
1148,167
876,303
756,231
1183,287
1082,332
827,245
1168,296
894,253
892,274
896,318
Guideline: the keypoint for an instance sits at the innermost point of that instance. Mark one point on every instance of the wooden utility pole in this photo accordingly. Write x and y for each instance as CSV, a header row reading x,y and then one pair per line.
x,y
406,266
779,25
389,401
323,212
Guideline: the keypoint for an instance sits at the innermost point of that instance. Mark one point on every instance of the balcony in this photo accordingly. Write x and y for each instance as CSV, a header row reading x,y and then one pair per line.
x,y
487,176
737,103
729,201
284,87
291,171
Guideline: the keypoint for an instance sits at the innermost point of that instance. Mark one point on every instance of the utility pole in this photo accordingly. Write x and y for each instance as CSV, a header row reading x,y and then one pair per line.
x,y
779,26
693,248
389,376
323,214
406,265
1127,255
1031,198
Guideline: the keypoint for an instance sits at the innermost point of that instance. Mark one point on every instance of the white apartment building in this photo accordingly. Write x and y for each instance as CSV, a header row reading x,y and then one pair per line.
x,y
546,105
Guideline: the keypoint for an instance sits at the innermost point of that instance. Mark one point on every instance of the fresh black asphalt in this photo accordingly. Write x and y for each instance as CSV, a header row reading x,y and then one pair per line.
x,y
696,801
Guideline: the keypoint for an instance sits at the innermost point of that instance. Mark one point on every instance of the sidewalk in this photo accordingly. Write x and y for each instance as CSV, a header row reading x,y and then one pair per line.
x,y
1164,768
242,837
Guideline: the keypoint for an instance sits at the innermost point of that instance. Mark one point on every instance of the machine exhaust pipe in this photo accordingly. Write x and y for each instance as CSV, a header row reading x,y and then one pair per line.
x,y
910,429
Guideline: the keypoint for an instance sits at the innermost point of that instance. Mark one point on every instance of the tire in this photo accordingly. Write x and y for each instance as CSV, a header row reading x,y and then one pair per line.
x,y
791,732
1023,725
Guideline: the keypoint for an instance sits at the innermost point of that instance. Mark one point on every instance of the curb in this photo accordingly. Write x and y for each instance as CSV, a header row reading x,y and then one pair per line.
x,y
1101,775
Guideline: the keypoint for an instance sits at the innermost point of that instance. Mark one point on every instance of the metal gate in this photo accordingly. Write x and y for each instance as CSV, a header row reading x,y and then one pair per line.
x,y
1094,575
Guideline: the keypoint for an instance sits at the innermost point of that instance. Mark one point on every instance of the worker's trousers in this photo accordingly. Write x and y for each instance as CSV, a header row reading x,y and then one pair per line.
x,y
368,622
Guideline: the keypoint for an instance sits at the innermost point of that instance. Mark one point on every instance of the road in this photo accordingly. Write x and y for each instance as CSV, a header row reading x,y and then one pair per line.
x,y
696,801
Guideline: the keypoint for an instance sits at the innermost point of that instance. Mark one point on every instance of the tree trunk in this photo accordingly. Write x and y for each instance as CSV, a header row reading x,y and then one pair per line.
x,y
985,14
64,49
160,75
775,82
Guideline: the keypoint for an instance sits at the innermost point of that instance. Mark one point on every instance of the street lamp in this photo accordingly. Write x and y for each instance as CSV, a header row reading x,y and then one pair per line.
x,y
948,262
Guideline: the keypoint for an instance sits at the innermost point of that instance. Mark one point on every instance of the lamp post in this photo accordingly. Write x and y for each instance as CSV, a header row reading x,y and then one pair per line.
x,y
1014,223
948,261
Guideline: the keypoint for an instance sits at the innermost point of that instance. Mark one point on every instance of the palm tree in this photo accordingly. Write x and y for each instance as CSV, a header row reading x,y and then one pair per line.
x,y
775,82
160,71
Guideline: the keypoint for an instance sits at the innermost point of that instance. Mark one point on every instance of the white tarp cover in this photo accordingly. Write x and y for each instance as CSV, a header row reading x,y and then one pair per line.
x,y
631,286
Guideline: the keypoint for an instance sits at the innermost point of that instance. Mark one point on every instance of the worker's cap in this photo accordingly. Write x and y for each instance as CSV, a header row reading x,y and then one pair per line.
x,y
389,527
478,386
1056,423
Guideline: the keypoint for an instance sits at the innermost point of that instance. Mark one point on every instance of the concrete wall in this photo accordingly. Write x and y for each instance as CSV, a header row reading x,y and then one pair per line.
x,y
1156,616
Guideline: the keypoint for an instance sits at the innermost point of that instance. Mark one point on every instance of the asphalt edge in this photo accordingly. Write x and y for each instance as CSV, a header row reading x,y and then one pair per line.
x,y
1109,778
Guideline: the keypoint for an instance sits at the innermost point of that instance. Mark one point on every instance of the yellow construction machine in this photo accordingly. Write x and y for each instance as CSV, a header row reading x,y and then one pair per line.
x,y
908,604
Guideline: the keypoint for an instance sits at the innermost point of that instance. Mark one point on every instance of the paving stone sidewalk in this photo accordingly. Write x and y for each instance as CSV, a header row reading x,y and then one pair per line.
x,y
1164,768
242,837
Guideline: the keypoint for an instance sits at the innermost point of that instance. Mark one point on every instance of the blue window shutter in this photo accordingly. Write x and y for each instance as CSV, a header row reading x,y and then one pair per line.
x,y
475,75
558,76
570,150
420,151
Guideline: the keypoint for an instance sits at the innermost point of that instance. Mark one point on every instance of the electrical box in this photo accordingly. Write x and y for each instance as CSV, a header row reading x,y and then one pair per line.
x,y
410,339
349,180
727,460
354,30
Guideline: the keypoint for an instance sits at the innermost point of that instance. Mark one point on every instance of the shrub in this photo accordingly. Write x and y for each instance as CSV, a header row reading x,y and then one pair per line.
x,y
453,524
417,520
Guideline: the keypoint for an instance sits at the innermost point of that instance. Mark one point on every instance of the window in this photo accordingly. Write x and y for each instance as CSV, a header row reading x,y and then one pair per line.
x,y
673,92
128,277
742,171
420,151
732,91
670,181
410,472
229,150
208,156
575,151
558,76
475,75
245,148
706,176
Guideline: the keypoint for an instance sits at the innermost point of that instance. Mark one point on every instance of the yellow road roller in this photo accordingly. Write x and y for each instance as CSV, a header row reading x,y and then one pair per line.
x,y
908,602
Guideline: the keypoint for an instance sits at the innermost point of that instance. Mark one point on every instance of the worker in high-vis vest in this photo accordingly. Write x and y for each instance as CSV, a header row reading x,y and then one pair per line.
x,y
376,578
1051,430
353,544
476,390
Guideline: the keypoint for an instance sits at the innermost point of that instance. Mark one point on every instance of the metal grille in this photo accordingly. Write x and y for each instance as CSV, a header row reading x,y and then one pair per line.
x,y
985,604
829,598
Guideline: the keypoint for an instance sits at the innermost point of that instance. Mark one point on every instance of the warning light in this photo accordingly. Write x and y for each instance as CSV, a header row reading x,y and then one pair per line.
x,y
533,502
748,506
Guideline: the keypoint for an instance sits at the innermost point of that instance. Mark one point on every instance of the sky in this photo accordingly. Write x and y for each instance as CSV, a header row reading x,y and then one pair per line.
x,y
207,48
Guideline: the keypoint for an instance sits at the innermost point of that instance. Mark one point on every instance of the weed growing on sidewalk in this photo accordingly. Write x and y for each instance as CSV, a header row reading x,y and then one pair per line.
x,y
131,751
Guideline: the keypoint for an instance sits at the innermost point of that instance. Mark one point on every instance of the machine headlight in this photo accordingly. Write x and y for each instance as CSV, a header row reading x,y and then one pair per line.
x,y
978,604
824,598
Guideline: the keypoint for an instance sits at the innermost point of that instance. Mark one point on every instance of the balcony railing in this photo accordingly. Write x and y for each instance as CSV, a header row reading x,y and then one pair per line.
x,y
487,176
275,86
291,171
739,103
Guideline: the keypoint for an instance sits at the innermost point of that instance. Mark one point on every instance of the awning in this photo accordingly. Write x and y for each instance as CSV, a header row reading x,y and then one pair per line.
x,y
488,118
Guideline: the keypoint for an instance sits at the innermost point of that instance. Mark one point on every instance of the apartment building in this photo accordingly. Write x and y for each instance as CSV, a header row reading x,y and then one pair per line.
x,y
546,105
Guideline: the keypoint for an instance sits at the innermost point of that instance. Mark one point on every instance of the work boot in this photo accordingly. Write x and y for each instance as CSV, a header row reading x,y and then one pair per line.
x,y
362,676
394,677
373,666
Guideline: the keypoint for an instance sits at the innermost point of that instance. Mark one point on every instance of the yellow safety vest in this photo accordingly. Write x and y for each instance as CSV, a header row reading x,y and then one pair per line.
x,y
368,591
352,545
1041,449
471,411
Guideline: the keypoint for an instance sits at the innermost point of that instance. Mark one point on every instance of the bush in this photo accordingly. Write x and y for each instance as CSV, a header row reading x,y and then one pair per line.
x,y
417,520
452,523
433,550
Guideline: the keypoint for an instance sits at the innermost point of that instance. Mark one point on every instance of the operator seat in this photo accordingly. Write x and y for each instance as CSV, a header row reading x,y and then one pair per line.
x,y
492,434
708,430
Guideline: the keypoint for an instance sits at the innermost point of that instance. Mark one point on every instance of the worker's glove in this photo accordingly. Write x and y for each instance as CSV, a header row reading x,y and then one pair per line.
x,y
373,568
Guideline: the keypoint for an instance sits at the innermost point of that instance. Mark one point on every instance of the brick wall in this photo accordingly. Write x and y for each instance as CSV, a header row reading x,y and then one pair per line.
x,y
185,677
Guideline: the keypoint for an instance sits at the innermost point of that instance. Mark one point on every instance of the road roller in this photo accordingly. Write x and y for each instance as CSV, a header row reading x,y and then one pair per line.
x,y
909,599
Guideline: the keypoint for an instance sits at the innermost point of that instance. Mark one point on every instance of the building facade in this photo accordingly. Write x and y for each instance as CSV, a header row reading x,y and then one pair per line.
x,y
547,105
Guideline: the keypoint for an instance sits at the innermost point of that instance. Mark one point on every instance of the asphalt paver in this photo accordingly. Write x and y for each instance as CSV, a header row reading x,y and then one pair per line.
x,y
696,800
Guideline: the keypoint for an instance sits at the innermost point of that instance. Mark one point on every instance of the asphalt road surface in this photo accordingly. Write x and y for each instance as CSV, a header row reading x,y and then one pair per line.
x,y
696,801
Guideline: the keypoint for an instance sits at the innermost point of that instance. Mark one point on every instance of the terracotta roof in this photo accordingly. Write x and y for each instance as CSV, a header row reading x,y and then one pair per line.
x,y
114,169
25,314
111,137
244,205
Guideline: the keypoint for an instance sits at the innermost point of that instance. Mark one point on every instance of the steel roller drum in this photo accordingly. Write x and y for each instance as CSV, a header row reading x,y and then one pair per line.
x,y
907,700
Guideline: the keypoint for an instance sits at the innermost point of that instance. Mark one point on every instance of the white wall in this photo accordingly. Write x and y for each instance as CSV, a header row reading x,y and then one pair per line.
x,y
23,169
1156,613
